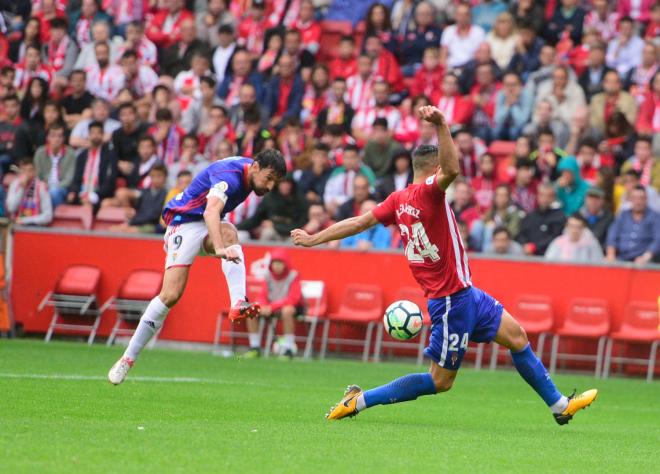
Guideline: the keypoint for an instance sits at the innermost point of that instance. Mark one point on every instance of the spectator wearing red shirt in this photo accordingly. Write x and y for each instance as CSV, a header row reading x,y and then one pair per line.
x,y
470,151
638,10
463,204
648,120
429,76
602,19
483,95
105,80
345,64
364,118
285,92
164,27
252,29
457,109
310,30
590,161
49,11
653,28
359,85
386,65
484,183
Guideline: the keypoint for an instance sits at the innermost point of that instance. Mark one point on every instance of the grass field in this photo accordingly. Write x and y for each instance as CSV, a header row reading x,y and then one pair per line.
x,y
191,412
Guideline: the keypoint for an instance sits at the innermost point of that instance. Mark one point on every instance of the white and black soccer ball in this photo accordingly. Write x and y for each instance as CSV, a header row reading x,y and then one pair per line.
x,y
403,320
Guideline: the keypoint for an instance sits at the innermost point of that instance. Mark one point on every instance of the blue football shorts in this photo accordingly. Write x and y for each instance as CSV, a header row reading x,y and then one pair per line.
x,y
468,315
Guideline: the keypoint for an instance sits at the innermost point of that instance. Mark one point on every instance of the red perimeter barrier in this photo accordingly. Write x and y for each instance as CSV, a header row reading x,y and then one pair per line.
x,y
40,256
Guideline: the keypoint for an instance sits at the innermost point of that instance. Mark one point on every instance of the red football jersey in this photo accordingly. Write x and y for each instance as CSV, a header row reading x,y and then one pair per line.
x,y
431,241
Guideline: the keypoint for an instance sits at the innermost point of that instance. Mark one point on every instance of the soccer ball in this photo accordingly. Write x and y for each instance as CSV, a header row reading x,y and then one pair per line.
x,y
403,320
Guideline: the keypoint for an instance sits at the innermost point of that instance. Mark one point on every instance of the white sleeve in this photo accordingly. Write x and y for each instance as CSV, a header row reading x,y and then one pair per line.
x,y
219,190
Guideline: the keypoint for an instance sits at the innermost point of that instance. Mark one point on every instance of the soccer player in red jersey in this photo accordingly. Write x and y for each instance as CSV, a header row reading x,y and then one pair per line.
x,y
459,311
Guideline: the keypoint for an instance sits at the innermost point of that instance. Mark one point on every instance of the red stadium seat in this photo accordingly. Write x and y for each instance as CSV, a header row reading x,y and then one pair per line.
x,y
416,295
362,305
255,289
640,326
316,305
108,217
132,298
586,319
502,149
534,313
75,296
72,217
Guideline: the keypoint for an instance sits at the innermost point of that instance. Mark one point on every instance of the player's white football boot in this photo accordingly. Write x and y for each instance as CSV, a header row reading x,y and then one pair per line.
x,y
119,371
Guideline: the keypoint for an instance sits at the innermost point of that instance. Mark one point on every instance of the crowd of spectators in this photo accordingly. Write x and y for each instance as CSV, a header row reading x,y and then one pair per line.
x,y
119,103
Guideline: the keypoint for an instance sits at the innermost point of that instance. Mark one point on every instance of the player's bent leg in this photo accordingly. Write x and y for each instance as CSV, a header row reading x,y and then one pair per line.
x,y
512,336
174,283
235,274
442,378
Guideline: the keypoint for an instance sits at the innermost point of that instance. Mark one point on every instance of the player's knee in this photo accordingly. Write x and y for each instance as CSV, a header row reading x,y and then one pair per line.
x,y
520,340
443,383
229,234
169,297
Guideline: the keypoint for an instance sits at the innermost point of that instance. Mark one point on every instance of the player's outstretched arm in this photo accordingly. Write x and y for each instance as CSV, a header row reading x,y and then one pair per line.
x,y
448,155
336,231
214,207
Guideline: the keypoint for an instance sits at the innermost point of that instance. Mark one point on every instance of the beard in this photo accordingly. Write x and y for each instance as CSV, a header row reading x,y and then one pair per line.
x,y
103,63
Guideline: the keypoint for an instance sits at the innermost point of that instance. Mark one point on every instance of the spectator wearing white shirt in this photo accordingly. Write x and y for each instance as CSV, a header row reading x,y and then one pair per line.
x,y
563,92
224,52
460,41
137,41
363,121
625,51
187,83
359,85
339,187
104,80
100,113
140,79
210,21
100,34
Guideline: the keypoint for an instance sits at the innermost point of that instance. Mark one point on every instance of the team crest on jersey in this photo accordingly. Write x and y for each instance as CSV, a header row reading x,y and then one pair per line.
x,y
407,209
454,358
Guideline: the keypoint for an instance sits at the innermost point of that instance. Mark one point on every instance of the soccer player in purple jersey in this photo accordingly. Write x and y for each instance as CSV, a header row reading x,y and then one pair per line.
x,y
195,227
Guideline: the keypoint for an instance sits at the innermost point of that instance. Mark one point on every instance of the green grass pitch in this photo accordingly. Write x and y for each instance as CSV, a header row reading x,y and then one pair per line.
x,y
194,413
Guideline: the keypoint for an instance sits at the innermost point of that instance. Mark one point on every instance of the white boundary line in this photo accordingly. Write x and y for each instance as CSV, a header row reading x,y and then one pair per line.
x,y
191,380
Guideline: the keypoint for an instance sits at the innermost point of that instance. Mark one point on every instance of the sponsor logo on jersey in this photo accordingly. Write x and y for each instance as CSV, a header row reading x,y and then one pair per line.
x,y
407,209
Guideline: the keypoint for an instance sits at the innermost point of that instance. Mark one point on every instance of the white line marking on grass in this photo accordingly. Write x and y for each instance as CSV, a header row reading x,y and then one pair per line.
x,y
138,378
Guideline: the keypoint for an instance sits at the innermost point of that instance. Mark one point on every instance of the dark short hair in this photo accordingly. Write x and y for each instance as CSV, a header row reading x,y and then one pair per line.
x,y
190,136
546,131
626,19
425,156
10,98
26,160
209,81
78,71
252,115
579,217
164,114
58,23
632,172
348,38
645,138
129,53
272,159
639,187
500,229
226,29
588,142
380,122
160,167
335,129
221,108
183,173
524,163
147,138
56,126
95,124
127,105
351,147
321,147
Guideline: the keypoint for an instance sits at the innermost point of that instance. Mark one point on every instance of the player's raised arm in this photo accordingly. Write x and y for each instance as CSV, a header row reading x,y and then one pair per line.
x,y
214,208
447,153
339,230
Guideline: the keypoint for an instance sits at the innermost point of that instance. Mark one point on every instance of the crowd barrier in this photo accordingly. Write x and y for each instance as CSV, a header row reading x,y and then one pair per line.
x,y
41,255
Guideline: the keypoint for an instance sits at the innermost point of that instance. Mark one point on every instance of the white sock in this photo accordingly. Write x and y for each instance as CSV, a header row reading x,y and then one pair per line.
x,y
255,341
360,404
150,322
560,405
235,276
289,341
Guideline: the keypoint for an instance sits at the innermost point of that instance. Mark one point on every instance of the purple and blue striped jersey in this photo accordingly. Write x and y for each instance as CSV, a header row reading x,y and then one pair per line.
x,y
226,178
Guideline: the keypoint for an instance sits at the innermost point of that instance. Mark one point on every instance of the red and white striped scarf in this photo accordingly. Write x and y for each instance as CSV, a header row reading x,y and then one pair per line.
x,y
91,175
285,12
31,203
57,53
84,31
169,149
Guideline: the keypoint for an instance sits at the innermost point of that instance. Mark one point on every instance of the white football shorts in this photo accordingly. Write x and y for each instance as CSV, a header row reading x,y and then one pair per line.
x,y
183,243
